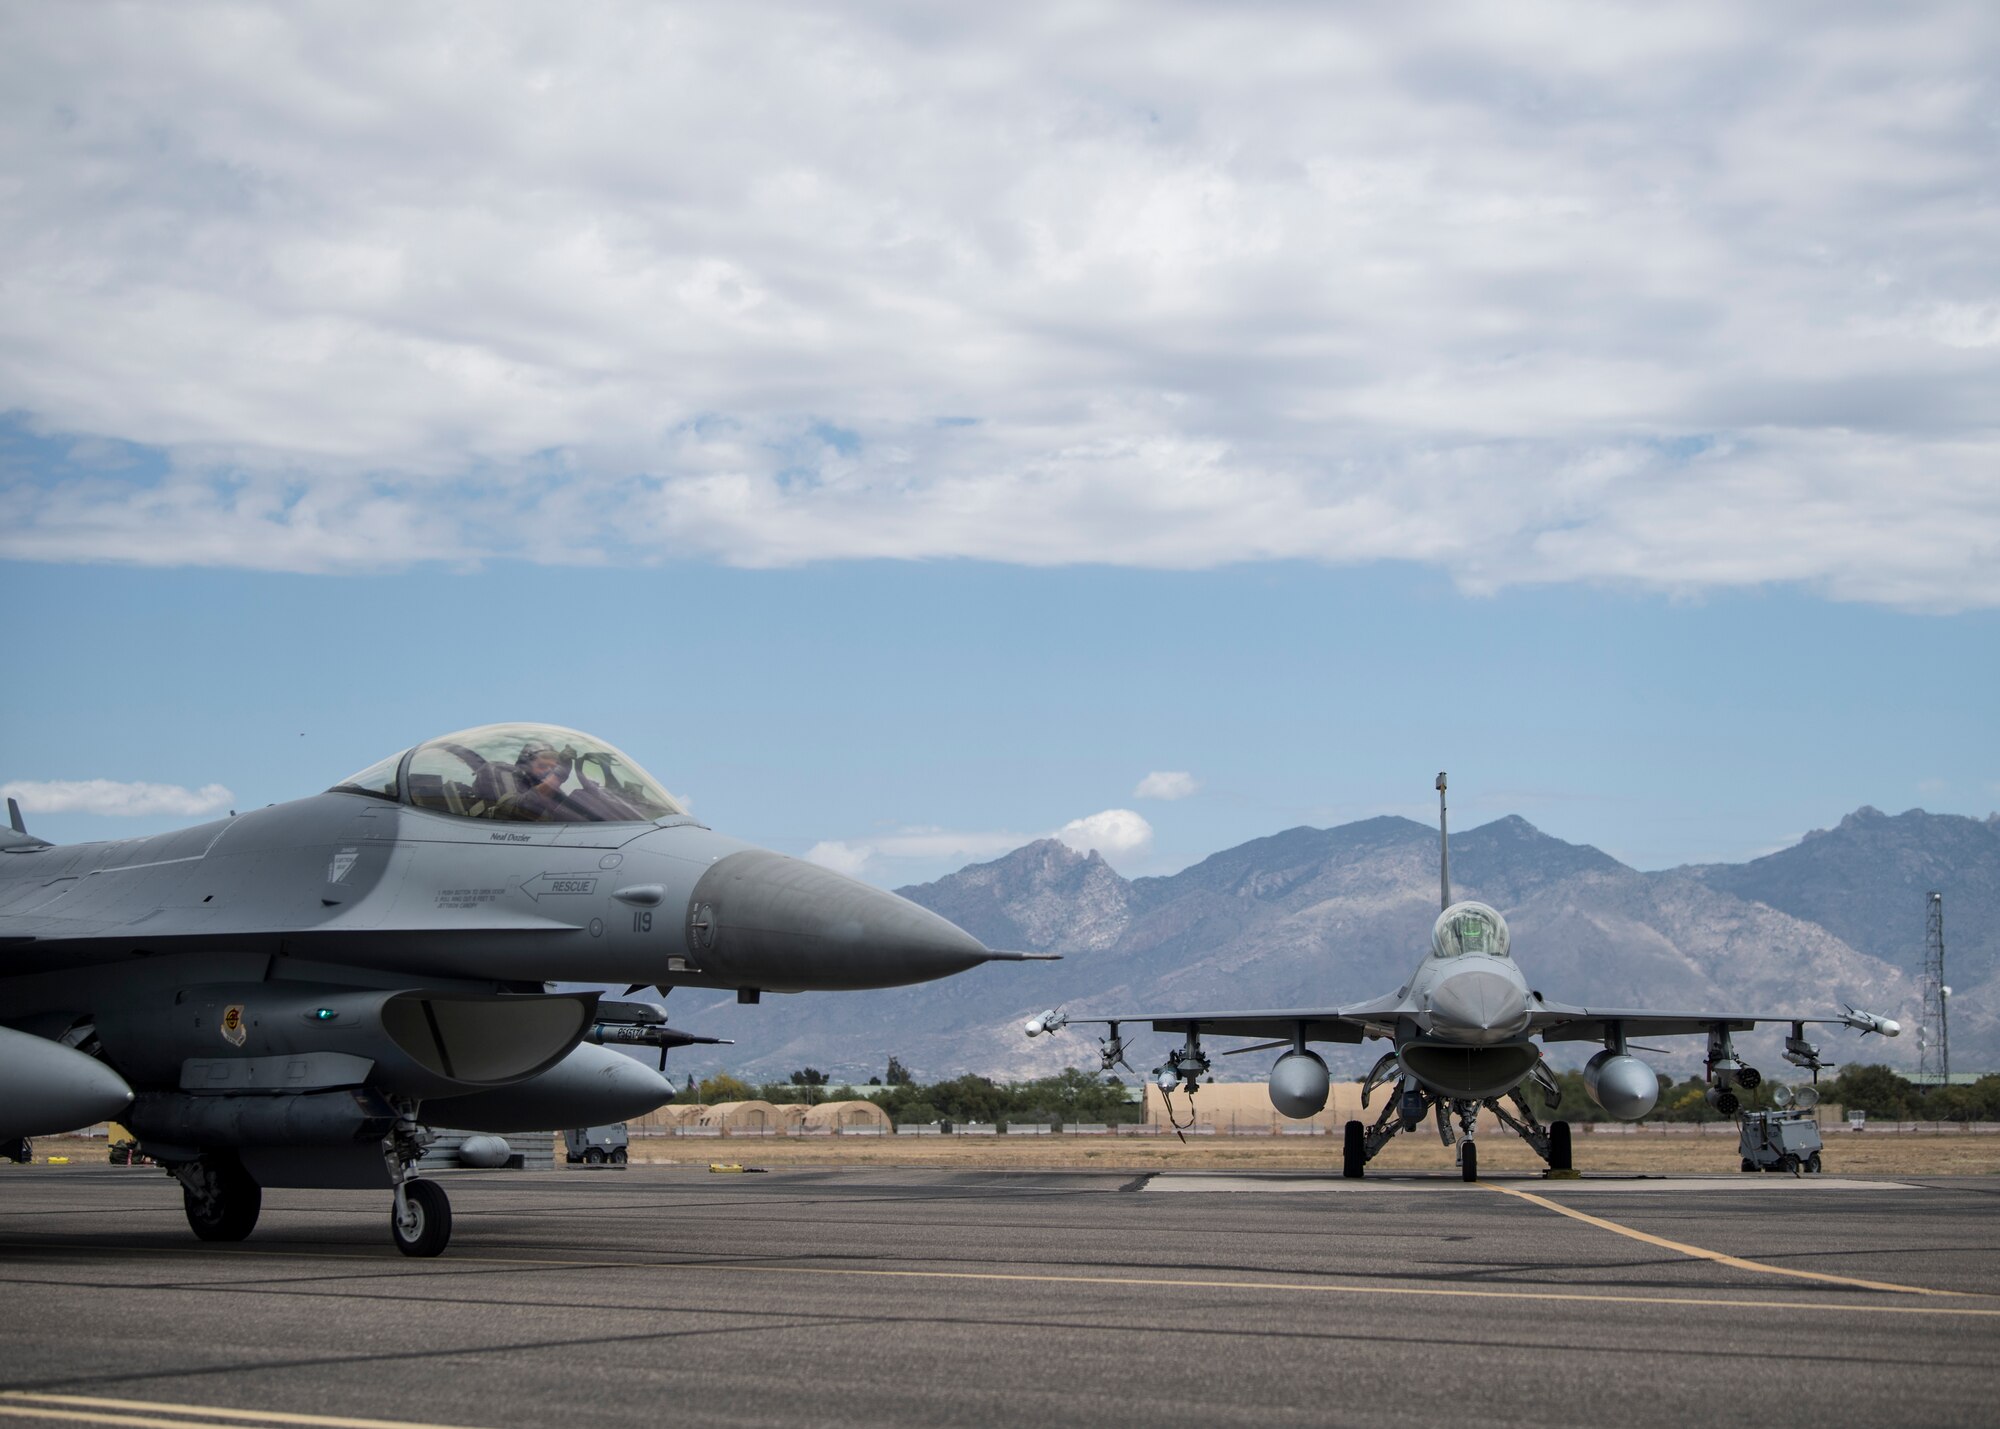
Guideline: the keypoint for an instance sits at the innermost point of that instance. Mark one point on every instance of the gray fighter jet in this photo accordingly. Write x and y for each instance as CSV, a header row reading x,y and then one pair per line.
x,y
1463,1030
289,996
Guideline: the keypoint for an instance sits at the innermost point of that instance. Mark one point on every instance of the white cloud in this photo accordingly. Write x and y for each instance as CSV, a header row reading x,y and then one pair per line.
x,y
1113,832
110,796
1532,294
1166,784
846,858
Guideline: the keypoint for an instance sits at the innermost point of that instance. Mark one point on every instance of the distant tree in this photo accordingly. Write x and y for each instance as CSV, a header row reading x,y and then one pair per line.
x,y
723,1088
898,1075
811,1082
874,1081
1871,1088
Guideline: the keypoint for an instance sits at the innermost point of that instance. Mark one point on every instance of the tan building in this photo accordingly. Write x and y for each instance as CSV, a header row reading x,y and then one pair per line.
x,y
750,1118
846,1116
1244,1109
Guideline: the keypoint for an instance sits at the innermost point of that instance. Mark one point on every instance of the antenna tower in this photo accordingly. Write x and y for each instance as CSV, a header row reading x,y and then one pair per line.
x,y
1933,1037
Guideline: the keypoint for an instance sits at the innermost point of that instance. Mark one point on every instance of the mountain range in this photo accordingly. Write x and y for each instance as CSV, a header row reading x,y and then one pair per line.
x,y
1316,917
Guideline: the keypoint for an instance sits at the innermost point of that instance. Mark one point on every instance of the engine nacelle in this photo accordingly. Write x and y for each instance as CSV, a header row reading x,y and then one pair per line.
x,y
52,1088
592,1086
1299,1084
1623,1085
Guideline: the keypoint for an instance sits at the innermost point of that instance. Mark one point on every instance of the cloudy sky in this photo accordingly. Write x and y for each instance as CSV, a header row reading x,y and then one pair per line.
x,y
916,431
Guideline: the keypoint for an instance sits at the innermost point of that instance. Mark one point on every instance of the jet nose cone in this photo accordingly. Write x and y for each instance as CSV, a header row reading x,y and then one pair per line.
x,y
768,921
1479,1006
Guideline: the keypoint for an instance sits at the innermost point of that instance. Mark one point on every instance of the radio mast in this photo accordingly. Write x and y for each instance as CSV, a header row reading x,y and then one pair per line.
x,y
1933,1036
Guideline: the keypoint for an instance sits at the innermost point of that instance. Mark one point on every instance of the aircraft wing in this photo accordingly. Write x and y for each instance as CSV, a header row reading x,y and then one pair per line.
x,y
1351,1023
1557,1022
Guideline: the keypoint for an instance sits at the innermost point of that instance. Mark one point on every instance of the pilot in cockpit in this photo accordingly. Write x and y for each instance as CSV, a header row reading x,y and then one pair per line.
x,y
530,789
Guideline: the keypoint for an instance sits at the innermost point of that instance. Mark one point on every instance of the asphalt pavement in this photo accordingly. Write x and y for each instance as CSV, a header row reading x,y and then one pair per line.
x,y
867,1297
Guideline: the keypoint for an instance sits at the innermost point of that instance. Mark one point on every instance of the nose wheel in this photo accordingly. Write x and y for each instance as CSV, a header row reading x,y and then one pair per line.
x,y
420,1219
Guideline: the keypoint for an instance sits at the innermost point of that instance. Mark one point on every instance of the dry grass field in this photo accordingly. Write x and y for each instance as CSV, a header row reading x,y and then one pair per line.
x,y
1847,1153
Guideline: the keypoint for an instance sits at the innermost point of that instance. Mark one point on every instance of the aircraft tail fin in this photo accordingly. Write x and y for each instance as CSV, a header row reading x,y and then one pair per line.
x,y
17,835
1444,851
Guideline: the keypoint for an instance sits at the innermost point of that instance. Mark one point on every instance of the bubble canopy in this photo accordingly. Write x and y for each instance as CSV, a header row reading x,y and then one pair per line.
x,y
1469,928
519,773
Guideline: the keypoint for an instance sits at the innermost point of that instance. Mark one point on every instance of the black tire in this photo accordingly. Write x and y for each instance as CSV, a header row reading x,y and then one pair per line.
x,y
619,1157
1468,1161
1748,1164
430,1208
594,1156
1789,1164
1812,1163
1559,1151
1353,1151
232,1214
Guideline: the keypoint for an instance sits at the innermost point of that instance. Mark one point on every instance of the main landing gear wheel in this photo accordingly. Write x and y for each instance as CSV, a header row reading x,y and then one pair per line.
x,y
1559,1156
426,1229
1353,1151
1468,1161
229,1210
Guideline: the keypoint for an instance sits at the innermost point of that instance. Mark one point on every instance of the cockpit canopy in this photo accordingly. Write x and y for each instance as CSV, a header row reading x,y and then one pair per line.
x,y
1469,928
519,773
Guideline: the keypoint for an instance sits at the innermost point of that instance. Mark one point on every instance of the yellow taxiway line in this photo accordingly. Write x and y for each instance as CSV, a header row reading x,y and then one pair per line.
x,y
87,1409
1701,1253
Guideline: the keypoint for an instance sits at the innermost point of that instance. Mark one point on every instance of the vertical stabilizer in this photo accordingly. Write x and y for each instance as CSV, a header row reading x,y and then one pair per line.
x,y
14,817
1444,851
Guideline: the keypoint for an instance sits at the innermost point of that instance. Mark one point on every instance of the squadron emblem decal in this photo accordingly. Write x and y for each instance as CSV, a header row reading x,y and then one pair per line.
x,y
336,871
233,1030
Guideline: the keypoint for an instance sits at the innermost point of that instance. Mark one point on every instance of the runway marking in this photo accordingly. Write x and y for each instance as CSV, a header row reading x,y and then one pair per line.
x,y
1131,1281
1702,1253
87,1409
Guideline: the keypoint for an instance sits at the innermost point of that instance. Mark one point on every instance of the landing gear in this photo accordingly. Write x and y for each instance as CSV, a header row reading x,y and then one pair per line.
x,y
420,1220
221,1199
1559,1157
1468,1161
1354,1151
20,1151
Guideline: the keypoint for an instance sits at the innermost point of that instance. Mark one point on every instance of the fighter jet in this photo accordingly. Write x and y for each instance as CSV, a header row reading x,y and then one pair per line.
x,y
288,997
1463,1029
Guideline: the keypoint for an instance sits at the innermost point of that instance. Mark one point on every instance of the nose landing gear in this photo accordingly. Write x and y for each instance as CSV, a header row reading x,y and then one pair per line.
x,y
420,1220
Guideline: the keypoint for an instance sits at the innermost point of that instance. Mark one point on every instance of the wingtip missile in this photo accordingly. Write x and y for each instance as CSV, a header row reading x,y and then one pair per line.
x,y
1052,1020
1866,1022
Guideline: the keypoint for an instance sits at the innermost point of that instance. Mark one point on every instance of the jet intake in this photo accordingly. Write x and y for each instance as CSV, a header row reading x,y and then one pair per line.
x,y
53,1088
294,1037
592,1086
1299,1084
1623,1085
1456,1069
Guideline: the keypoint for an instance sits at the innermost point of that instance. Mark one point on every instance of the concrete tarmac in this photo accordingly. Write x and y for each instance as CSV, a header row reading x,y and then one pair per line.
x,y
874,1296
